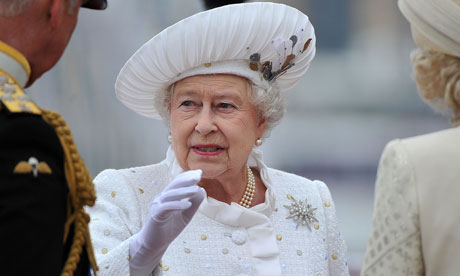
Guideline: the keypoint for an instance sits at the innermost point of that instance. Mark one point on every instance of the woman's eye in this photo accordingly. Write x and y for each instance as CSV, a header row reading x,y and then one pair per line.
x,y
225,105
187,103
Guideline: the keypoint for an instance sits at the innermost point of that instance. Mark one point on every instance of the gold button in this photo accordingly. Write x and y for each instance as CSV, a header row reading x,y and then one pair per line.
x,y
114,194
128,257
207,65
319,274
106,267
279,237
104,250
316,226
141,191
187,250
95,219
289,196
299,253
225,251
334,256
327,204
203,237
106,232
166,267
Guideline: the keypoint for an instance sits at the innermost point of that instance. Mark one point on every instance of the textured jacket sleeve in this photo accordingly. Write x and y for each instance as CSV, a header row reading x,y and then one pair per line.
x,y
114,220
394,246
336,249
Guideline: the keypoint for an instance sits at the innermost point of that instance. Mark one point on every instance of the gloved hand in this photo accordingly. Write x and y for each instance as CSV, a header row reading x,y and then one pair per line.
x,y
170,212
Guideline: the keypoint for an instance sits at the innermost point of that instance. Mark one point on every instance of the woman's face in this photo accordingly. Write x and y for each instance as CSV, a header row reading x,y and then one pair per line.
x,y
213,124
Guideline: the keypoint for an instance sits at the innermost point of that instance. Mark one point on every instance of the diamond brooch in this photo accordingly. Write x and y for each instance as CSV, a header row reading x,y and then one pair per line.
x,y
301,212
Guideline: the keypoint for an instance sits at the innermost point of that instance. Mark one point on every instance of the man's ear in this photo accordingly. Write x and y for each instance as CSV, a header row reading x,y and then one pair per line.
x,y
56,12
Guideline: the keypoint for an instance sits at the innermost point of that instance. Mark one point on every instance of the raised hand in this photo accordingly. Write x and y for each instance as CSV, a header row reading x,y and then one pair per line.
x,y
170,212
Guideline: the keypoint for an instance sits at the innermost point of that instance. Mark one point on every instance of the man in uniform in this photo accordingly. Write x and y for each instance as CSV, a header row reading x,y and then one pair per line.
x,y
43,181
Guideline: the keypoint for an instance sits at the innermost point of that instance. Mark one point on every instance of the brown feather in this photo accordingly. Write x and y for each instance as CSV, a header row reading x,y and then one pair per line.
x,y
288,61
305,46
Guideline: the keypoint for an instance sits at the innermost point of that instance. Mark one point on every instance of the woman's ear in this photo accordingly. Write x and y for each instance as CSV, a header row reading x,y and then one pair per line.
x,y
56,12
262,127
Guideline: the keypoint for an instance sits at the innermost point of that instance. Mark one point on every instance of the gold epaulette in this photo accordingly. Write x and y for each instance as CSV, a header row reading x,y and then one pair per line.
x,y
13,97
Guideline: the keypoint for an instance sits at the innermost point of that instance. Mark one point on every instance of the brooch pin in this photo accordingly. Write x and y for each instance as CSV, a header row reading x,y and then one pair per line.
x,y
301,212
32,166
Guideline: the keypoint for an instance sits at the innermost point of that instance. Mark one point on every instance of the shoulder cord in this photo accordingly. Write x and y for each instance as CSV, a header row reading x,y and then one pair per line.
x,y
81,191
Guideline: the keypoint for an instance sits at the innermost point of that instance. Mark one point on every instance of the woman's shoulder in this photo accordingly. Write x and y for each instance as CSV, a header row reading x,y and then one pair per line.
x,y
432,143
292,184
421,153
292,178
116,177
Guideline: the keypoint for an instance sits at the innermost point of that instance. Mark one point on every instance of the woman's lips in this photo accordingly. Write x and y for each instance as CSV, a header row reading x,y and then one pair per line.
x,y
207,150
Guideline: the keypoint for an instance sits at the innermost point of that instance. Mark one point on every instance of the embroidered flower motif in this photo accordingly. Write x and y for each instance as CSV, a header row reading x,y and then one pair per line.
x,y
301,212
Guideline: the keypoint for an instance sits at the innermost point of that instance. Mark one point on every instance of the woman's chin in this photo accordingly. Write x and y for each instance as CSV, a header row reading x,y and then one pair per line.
x,y
210,172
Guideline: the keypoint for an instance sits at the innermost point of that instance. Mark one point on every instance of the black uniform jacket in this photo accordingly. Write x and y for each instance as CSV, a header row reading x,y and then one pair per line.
x,y
33,198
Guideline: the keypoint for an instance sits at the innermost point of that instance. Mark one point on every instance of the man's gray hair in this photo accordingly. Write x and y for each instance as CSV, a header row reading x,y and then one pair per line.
x,y
269,103
16,7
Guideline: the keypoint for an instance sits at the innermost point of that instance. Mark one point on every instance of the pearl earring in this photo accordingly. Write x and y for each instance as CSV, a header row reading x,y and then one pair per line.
x,y
169,138
259,142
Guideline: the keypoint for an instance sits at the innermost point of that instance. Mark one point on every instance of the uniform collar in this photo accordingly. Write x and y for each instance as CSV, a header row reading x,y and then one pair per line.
x,y
14,64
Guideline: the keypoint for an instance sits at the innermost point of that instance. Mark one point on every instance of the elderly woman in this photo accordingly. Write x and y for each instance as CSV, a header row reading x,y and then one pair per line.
x,y
213,207
415,228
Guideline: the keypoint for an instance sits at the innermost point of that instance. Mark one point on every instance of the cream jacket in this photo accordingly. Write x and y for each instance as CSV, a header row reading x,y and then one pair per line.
x,y
221,239
416,222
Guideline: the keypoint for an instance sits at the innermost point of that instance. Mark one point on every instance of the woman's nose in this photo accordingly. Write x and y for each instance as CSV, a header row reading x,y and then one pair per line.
x,y
205,123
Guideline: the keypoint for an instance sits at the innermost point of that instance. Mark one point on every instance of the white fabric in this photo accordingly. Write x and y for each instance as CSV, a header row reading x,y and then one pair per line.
x,y
234,67
415,223
221,239
14,68
170,212
229,33
435,23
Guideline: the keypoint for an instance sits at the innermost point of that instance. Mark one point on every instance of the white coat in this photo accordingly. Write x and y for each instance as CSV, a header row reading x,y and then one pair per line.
x,y
221,239
416,223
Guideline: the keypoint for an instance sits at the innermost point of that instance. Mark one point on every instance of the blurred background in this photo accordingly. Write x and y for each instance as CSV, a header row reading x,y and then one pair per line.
x,y
357,95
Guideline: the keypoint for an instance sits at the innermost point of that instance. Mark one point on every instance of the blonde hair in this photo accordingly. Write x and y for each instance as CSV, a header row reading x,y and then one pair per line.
x,y
438,80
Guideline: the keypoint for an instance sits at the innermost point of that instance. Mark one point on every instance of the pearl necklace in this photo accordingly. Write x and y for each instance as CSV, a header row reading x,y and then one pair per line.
x,y
248,196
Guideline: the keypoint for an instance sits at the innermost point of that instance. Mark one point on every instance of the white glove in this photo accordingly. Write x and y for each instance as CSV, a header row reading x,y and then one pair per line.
x,y
170,212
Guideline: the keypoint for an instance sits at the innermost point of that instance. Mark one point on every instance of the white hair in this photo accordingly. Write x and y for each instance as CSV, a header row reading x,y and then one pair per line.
x,y
16,7
269,103
438,80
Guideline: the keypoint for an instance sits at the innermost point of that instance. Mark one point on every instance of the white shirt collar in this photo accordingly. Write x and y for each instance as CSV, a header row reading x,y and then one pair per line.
x,y
13,68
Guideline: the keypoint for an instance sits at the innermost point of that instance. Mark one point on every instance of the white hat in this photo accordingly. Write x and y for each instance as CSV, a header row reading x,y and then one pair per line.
x,y
435,24
265,42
